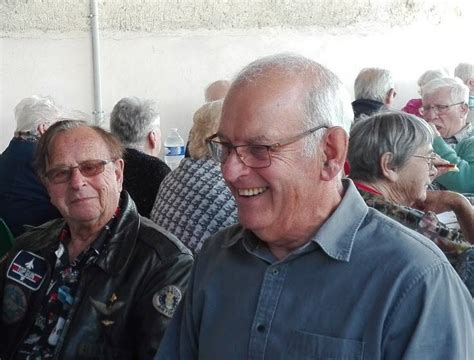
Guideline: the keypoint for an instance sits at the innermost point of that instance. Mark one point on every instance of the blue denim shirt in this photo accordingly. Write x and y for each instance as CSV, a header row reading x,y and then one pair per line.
x,y
364,287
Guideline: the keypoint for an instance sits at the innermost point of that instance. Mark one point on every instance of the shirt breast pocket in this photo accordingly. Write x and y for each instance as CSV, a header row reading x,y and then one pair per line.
x,y
304,345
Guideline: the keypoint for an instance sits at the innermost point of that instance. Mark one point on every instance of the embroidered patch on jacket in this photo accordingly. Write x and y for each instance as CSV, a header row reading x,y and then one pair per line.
x,y
14,304
27,269
166,300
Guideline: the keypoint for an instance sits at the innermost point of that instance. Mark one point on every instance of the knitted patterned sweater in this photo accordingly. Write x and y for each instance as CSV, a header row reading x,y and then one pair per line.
x,y
193,202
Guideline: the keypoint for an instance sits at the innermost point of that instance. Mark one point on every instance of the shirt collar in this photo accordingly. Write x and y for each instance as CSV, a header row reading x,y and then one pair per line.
x,y
336,236
97,244
462,134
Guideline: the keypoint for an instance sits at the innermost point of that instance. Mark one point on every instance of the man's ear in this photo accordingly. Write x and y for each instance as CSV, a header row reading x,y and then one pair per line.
x,y
41,128
154,141
390,96
388,170
470,84
335,143
464,109
119,167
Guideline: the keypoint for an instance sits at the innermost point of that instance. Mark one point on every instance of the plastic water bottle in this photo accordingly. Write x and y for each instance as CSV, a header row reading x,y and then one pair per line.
x,y
174,149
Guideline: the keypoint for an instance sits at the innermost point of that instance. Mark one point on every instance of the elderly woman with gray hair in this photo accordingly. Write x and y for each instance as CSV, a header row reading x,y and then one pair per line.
x,y
193,201
392,164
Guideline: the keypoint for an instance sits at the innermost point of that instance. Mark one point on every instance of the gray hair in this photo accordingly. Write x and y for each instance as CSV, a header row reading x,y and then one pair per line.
x,y
464,71
373,84
34,111
205,123
429,75
458,91
326,102
43,149
132,119
395,132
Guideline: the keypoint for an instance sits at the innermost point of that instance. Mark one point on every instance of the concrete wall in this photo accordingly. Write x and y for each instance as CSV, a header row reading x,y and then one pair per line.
x,y
170,50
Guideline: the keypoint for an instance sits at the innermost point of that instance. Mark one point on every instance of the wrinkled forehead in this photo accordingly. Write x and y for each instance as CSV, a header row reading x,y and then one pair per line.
x,y
77,144
267,105
440,95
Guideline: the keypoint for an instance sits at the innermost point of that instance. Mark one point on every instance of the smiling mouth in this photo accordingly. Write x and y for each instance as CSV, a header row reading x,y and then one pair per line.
x,y
80,200
252,191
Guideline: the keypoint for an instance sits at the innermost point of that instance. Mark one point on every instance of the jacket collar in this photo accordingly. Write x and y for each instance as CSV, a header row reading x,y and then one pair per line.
x,y
366,107
123,237
118,248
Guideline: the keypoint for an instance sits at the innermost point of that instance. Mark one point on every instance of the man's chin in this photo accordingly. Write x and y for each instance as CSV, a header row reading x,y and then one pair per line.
x,y
249,220
83,217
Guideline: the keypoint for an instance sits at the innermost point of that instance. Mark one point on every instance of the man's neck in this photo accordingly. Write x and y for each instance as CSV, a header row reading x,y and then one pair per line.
x,y
387,192
81,239
286,239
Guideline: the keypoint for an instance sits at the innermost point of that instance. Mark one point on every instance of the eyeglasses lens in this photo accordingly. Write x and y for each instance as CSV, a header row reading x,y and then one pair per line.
x,y
87,168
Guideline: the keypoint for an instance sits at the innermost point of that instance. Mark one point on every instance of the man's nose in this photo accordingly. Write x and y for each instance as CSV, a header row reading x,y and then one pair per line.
x,y
233,167
77,180
430,114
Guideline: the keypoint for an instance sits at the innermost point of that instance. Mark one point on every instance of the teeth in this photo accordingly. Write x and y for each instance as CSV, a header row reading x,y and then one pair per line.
x,y
252,191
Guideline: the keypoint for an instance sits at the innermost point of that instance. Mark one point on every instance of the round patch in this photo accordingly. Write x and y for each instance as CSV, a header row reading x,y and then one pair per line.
x,y
14,304
166,300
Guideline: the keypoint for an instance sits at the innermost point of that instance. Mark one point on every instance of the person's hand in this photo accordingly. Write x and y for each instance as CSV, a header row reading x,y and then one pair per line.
x,y
439,201
433,127
437,161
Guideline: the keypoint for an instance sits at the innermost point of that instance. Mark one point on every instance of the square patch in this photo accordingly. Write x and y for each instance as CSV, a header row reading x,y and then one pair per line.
x,y
28,269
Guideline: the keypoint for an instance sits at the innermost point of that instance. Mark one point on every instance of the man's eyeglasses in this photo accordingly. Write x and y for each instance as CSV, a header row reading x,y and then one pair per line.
x,y
438,109
253,156
87,168
429,159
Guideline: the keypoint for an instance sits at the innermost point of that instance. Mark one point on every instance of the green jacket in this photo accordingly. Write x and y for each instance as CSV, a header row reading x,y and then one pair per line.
x,y
463,156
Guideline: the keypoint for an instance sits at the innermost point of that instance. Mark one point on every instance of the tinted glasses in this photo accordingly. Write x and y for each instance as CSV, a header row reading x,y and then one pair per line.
x,y
88,168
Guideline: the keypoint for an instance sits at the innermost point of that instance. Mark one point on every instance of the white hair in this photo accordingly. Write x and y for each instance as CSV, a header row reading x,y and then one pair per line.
x,y
34,111
373,84
429,75
464,71
326,103
457,89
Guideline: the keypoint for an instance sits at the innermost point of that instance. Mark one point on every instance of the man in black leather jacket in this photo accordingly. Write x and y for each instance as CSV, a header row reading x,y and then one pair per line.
x,y
102,283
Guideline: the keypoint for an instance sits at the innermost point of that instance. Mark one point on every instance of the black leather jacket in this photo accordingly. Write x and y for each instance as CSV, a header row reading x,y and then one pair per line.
x,y
139,260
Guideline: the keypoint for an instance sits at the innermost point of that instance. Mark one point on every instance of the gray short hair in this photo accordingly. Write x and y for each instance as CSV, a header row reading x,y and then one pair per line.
x,y
327,101
373,84
457,89
205,123
464,71
34,111
394,132
132,119
429,75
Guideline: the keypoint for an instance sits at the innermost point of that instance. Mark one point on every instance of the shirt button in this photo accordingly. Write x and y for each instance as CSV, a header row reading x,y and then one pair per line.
x,y
275,271
261,328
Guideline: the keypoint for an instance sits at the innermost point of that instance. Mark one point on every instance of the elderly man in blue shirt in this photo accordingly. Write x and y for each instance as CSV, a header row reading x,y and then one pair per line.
x,y
310,271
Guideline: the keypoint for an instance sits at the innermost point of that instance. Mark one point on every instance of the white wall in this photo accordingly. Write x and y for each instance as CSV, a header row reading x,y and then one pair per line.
x,y
175,66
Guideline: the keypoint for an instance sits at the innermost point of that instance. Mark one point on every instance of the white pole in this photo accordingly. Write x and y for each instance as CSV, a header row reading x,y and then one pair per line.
x,y
94,15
